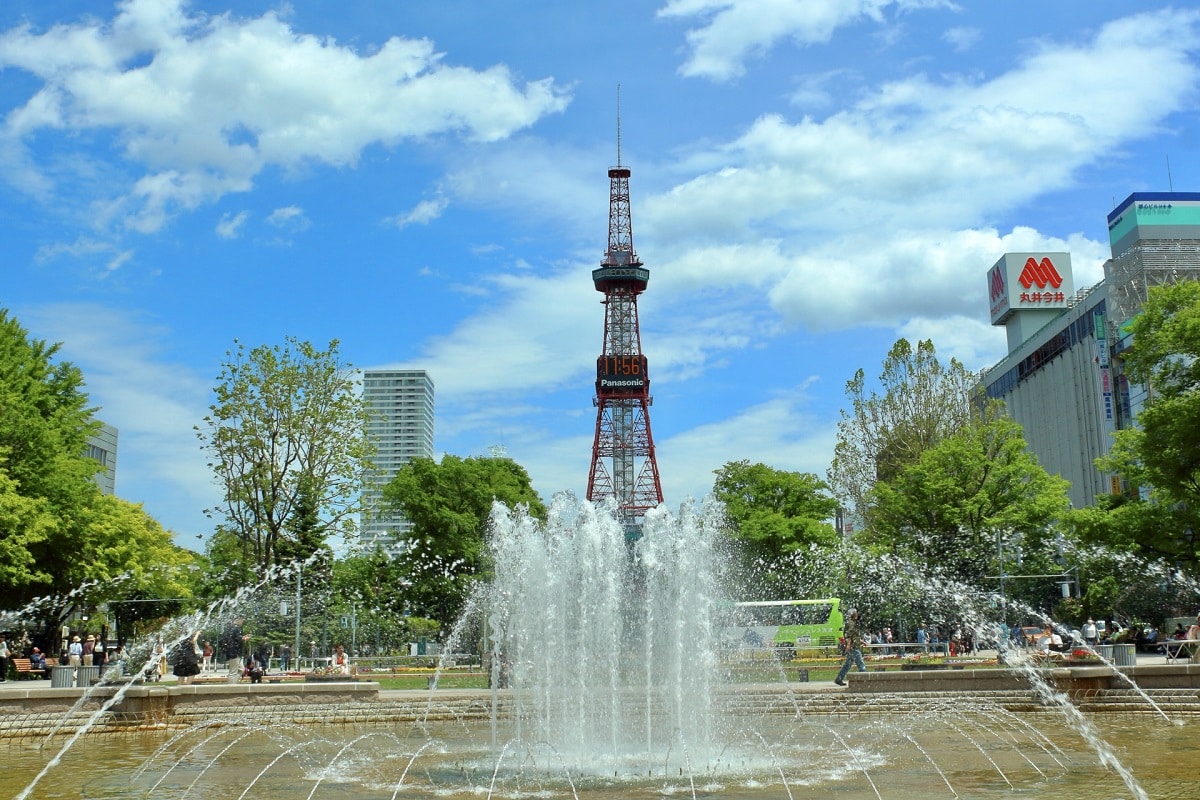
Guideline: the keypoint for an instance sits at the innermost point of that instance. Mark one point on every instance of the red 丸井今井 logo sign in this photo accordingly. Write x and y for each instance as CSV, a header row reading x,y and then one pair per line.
x,y
996,284
1041,272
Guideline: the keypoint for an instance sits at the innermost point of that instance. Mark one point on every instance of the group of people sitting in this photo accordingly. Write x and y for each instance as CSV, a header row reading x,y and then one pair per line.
x,y
1050,645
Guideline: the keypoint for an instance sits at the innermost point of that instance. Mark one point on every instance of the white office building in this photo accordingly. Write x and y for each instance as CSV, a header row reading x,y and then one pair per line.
x,y
1063,378
400,404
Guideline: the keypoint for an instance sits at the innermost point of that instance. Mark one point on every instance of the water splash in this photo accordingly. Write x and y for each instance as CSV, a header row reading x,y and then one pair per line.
x,y
608,649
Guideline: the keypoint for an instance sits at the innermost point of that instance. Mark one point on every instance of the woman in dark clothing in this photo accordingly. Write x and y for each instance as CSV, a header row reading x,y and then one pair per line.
x,y
187,660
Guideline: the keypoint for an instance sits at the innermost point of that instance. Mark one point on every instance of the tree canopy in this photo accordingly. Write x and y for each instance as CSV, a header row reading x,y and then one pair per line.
x,y
1162,453
774,512
61,540
920,402
448,504
946,507
287,442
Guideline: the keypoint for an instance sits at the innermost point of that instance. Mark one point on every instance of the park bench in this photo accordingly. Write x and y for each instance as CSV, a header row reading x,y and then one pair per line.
x,y
25,669
1179,649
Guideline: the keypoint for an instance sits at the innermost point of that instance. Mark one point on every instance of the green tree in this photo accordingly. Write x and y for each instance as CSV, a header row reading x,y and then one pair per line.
x,y
448,504
775,512
1146,529
24,523
946,507
61,539
130,556
369,588
45,420
920,402
287,442
45,480
1163,452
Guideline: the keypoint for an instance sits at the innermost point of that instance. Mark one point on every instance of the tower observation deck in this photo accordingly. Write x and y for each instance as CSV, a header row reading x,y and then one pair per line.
x,y
623,462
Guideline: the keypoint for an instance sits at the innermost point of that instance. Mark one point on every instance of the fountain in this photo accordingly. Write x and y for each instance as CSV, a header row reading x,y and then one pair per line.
x,y
606,653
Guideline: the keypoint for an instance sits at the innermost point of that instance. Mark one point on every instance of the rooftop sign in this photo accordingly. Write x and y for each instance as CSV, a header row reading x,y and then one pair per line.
x,y
1029,282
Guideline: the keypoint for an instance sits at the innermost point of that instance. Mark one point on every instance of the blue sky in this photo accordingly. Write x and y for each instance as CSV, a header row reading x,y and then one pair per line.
x,y
426,182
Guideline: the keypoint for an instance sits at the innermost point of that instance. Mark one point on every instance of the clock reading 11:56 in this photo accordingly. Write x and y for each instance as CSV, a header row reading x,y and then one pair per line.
x,y
621,374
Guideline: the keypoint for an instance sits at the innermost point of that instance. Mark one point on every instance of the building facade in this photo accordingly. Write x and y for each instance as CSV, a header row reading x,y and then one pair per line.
x,y
103,448
1155,240
1057,384
1063,378
400,405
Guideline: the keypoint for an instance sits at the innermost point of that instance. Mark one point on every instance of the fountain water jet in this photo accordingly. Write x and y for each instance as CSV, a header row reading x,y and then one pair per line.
x,y
608,649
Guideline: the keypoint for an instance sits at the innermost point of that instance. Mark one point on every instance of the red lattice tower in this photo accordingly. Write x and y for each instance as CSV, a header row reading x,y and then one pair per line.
x,y
623,463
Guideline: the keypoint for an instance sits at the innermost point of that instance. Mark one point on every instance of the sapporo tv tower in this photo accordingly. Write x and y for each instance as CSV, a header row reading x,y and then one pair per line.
x,y
623,463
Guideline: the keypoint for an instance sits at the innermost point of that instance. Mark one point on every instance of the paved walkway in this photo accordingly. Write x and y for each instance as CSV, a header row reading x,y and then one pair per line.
x,y
212,678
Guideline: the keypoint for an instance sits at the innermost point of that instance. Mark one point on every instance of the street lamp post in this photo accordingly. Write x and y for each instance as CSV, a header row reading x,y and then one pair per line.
x,y
1000,568
299,580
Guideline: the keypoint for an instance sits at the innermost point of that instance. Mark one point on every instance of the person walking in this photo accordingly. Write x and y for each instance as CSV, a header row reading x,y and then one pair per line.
x,y
853,635
187,660
4,654
233,648
1089,633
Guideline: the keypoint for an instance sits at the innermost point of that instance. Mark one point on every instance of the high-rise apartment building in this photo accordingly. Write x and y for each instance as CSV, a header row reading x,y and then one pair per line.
x,y
400,402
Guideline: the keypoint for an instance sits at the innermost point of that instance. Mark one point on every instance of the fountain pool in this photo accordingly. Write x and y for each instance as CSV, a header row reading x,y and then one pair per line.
x,y
613,690
973,753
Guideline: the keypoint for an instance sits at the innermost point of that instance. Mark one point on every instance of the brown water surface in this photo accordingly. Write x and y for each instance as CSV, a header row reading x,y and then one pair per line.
x,y
973,756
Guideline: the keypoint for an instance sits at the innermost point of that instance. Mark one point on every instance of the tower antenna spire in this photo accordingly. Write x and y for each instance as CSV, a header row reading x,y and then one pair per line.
x,y
618,124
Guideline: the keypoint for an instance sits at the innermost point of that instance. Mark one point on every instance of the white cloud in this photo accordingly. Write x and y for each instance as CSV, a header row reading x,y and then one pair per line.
x,y
289,218
972,341
875,217
488,352
118,261
230,225
80,248
781,432
423,213
736,30
877,214
812,90
103,258
565,190
204,103
962,39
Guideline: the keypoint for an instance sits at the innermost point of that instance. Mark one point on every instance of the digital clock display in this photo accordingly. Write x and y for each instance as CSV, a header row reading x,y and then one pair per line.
x,y
621,374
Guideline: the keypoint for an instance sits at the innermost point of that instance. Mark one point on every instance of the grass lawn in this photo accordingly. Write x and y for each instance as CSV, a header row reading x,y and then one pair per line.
x,y
765,672
447,680
477,680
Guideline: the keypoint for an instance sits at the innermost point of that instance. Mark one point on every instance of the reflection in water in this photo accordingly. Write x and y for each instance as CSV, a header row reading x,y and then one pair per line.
x,y
972,752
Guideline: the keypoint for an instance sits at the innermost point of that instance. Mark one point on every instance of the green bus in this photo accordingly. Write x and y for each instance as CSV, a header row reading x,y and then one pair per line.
x,y
789,624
